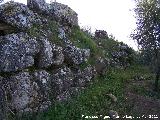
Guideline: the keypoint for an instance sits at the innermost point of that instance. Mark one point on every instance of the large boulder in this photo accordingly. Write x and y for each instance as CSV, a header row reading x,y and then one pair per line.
x,y
17,52
45,56
50,54
123,56
76,55
20,90
83,77
72,53
18,15
28,92
62,13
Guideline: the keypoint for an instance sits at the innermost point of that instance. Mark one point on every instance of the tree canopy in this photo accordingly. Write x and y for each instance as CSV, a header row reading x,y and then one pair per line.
x,y
147,33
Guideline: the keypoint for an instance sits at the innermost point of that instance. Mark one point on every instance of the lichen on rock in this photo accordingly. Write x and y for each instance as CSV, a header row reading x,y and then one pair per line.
x,y
62,13
17,52
37,71
18,15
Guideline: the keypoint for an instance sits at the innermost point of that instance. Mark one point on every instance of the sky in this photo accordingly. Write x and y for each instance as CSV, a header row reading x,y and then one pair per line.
x,y
114,16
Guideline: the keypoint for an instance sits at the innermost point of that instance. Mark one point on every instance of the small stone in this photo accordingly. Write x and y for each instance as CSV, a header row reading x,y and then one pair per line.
x,y
113,114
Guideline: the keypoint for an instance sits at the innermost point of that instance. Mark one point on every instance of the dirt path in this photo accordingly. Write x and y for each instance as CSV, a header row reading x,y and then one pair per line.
x,y
143,106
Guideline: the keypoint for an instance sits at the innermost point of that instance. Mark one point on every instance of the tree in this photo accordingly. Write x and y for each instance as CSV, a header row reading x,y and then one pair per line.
x,y
147,33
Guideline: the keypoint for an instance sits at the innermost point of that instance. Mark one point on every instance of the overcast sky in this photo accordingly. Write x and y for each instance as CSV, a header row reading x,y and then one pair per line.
x,y
114,16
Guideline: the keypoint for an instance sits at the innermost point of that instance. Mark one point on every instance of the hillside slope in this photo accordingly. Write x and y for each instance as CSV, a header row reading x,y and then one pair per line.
x,y
47,58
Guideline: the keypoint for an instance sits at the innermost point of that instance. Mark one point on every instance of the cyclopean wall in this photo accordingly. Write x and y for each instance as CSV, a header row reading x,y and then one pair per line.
x,y
35,71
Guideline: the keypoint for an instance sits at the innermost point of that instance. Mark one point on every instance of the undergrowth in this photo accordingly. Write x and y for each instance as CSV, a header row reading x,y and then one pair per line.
x,y
93,101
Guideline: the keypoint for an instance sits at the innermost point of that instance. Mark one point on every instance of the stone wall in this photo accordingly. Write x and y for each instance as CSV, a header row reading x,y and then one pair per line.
x,y
34,71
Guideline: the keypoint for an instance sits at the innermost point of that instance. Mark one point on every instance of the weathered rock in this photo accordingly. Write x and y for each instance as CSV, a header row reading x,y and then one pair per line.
x,y
76,55
61,12
62,79
44,106
21,91
50,54
101,34
89,72
72,53
46,53
82,78
123,56
40,6
58,56
26,85
17,51
62,34
18,15
27,93
43,80
64,13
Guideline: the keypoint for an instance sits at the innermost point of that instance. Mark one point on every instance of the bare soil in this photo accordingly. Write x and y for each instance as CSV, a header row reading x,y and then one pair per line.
x,y
144,106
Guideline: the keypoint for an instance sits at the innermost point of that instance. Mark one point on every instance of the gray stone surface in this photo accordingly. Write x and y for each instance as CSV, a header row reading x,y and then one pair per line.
x,y
76,55
62,79
46,53
62,13
83,77
58,56
39,6
17,51
21,91
50,54
113,114
28,92
18,15
101,65
43,80
72,53
36,71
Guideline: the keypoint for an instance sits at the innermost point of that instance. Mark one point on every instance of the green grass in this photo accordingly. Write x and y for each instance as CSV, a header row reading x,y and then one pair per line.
x,y
81,40
52,26
149,78
93,100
